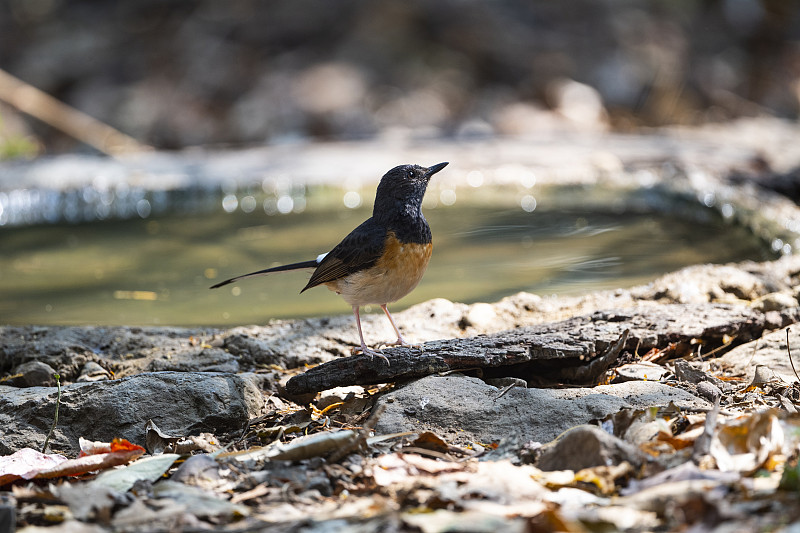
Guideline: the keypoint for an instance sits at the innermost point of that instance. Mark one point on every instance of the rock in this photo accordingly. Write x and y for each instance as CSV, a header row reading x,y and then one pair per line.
x,y
709,391
34,374
637,394
480,316
180,403
293,343
91,371
684,371
8,517
205,360
763,375
642,371
125,350
706,283
775,301
587,446
770,350
434,319
579,103
465,409
253,351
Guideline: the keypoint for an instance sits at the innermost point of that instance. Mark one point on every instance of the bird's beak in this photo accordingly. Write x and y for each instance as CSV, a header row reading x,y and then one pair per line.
x,y
435,168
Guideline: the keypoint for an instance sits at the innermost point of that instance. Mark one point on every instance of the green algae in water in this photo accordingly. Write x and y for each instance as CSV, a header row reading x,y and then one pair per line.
x,y
158,270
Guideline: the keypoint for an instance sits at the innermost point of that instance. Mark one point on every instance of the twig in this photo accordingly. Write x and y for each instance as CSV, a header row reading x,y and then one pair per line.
x,y
55,417
59,115
718,348
755,349
789,352
429,453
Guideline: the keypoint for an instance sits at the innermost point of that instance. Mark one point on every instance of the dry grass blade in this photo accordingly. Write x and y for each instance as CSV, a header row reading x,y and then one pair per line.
x,y
55,416
789,352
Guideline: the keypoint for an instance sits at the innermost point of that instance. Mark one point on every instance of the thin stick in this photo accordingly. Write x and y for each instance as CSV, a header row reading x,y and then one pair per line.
x,y
788,351
55,418
755,349
59,115
718,348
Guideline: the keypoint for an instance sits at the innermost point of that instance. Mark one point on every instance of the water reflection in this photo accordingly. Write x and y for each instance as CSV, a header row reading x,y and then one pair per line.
x,y
23,207
157,270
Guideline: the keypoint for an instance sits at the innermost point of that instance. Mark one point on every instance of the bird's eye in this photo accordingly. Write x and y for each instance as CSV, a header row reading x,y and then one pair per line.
x,y
410,173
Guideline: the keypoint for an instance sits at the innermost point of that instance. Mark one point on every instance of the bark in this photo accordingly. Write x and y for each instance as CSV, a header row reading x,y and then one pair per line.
x,y
577,351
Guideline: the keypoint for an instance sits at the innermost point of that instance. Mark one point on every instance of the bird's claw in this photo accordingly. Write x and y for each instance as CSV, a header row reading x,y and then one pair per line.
x,y
404,344
370,353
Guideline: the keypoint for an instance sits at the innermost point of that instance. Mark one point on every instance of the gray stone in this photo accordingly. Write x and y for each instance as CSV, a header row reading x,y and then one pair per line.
x,y
775,301
707,283
764,375
91,371
206,360
585,447
181,403
465,409
34,374
125,350
8,517
709,391
252,350
770,350
686,371
642,371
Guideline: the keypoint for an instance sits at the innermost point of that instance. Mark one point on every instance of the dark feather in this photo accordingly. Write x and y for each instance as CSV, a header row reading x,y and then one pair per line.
x,y
282,268
359,250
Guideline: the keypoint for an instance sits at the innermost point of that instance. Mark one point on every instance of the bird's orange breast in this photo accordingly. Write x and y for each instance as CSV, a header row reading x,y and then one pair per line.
x,y
394,275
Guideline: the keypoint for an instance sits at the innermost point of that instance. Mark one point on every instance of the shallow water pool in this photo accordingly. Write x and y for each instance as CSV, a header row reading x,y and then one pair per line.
x,y
158,270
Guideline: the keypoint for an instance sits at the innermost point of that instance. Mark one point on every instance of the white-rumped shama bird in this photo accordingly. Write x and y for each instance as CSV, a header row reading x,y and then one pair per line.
x,y
385,257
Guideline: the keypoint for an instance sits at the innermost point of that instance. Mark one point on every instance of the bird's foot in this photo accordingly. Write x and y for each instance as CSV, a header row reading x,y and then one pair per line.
x,y
370,353
402,342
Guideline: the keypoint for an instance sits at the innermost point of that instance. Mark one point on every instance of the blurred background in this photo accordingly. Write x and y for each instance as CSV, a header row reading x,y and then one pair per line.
x,y
184,73
592,144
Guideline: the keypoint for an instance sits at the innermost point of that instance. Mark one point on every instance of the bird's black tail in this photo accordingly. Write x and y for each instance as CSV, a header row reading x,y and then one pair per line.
x,y
294,266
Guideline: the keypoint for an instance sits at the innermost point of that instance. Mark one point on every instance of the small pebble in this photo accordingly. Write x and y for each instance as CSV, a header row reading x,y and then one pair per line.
x,y
34,374
91,371
764,375
642,371
709,391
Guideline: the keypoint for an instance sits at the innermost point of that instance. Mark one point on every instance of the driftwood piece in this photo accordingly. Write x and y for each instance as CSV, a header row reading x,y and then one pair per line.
x,y
575,351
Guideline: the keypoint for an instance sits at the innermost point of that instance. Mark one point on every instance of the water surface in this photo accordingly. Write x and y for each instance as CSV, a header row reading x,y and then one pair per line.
x,y
158,270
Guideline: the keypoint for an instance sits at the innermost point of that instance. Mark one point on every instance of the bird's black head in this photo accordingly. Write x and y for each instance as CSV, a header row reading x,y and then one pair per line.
x,y
401,190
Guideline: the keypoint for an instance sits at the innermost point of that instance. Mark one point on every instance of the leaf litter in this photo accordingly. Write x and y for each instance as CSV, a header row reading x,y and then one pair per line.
x,y
319,467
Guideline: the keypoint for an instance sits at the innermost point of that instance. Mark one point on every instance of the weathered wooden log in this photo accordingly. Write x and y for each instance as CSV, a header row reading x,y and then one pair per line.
x,y
574,351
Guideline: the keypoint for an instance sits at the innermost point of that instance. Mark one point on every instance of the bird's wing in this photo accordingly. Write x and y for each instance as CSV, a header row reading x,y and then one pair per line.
x,y
359,250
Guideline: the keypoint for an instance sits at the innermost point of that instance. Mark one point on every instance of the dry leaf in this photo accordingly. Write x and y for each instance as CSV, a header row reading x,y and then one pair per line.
x,y
121,452
25,463
745,444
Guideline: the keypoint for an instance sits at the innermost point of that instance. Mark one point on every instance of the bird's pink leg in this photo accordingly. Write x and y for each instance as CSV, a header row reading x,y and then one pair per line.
x,y
364,349
400,340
